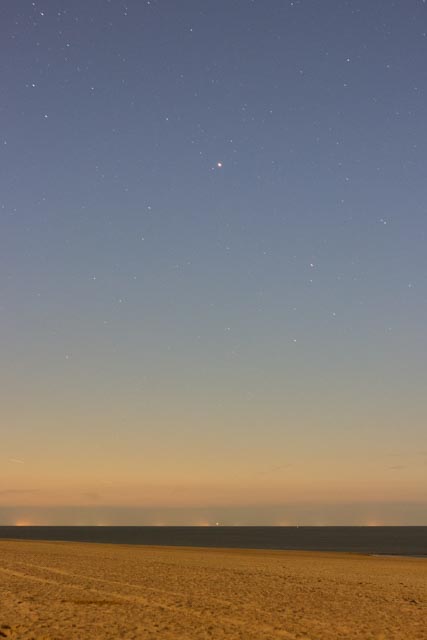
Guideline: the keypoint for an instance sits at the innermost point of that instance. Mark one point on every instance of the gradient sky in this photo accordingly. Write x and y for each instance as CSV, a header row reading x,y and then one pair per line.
x,y
213,261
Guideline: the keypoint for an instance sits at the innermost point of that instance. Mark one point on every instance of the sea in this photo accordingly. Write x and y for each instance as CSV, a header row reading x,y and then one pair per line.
x,y
401,541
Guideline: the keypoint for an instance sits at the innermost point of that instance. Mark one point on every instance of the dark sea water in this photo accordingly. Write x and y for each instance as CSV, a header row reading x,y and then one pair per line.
x,y
408,541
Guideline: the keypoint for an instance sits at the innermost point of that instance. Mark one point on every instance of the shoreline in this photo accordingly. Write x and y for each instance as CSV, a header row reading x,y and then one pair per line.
x,y
171,547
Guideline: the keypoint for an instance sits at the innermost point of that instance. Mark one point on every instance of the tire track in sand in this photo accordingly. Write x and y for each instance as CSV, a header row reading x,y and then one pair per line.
x,y
205,616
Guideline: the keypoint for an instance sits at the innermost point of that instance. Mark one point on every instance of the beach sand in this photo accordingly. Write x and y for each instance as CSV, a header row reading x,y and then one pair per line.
x,y
57,590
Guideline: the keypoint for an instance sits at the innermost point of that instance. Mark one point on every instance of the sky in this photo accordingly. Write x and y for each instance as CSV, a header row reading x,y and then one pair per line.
x,y
213,271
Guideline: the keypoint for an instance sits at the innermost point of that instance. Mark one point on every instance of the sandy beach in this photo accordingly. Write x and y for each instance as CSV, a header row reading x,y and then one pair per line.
x,y
67,591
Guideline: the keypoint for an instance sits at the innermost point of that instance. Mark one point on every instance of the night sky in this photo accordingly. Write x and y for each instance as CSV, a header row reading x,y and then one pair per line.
x,y
213,264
